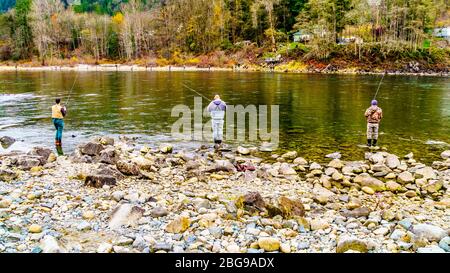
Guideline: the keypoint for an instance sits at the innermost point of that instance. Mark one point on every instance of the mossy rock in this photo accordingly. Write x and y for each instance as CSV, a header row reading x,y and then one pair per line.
x,y
178,225
290,207
352,244
273,211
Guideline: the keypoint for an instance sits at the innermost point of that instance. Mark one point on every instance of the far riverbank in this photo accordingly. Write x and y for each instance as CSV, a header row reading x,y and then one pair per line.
x,y
282,68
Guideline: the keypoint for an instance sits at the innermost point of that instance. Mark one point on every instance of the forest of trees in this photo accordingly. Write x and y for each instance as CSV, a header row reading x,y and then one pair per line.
x,y
171,30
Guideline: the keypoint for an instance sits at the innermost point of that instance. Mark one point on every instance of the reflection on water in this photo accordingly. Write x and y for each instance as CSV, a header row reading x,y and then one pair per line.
x,y
319,114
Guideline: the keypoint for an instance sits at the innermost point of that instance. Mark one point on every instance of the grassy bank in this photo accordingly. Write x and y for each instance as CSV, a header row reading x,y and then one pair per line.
x,y
293,57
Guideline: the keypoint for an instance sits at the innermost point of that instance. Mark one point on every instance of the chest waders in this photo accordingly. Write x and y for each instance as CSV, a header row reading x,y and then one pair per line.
x,y
217,120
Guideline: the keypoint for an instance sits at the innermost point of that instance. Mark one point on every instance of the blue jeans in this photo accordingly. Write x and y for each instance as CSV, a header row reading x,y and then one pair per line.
x,y
59,125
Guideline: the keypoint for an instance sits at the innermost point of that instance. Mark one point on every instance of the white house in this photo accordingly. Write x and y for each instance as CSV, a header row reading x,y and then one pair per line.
x,y
443,32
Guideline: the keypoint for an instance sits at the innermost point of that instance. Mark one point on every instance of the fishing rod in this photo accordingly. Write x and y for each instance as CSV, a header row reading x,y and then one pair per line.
x,y
71,89
193,90
379,86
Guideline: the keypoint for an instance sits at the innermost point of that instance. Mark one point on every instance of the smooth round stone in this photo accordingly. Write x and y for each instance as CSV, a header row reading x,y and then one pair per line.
x,y
88,215
34,228
285,248
445,244
381,231
21,247
368,190
233,248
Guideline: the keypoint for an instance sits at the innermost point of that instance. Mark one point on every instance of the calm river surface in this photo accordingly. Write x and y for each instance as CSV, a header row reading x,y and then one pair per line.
x,y
319,114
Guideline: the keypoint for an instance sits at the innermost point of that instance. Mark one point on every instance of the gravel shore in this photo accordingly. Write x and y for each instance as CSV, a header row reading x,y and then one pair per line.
x,y
110,196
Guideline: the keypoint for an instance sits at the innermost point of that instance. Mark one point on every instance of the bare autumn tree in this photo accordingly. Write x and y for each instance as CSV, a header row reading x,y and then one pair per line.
x,y
44,14
93,34
136,29
171,27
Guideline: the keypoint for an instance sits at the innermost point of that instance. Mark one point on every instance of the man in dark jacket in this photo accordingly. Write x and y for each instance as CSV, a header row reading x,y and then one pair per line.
x,y
373,114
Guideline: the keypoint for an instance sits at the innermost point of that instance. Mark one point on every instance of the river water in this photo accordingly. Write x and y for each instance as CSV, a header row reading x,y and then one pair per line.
x,y
319,114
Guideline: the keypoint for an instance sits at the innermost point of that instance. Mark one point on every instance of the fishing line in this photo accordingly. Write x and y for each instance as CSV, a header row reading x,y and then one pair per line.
x,y
379,85
194,91
71,89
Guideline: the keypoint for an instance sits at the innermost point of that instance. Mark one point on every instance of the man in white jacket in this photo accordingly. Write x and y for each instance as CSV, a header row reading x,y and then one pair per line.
x,y
217,110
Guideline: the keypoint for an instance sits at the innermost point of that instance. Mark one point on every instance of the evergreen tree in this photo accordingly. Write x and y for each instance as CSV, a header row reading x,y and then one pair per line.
x,y
23,38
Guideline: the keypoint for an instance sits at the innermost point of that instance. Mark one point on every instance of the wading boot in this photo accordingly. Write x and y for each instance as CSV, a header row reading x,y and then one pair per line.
x,y
374,143
369,143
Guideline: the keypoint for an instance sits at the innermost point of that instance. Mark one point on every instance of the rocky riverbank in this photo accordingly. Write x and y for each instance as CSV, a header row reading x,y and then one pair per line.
x,y
412,69
111,196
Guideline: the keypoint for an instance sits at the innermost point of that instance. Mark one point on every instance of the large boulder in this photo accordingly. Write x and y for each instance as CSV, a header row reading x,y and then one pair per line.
x,y
392,161
28,162
192,165
434,186
242,150
7,175
336,163
405,178
104,140
7,141
251,201
300,161
290,207
128,168
108,156
41,153
125,215
222,165
354,167
108,170
269,244
91,148
99,181
356,213
49,244
393,186
285,169
321,195
376,158
431,249
315,166
429,232
380,168
78,157
159,212
426,173
179,225
290,155
346,243
143,163
373,183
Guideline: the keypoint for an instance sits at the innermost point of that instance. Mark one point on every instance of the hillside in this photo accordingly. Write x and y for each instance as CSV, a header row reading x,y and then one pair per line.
x,y
332,34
